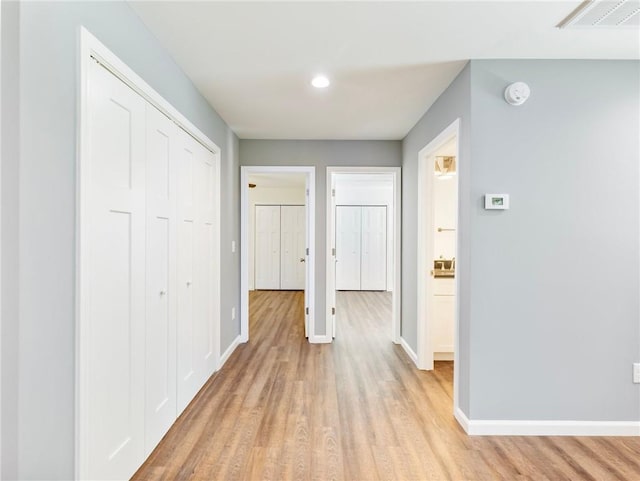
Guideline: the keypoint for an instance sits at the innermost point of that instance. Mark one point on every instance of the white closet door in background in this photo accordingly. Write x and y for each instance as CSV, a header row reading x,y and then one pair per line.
x,y
373,271
160,348
267,246
348,225
114,252
293,245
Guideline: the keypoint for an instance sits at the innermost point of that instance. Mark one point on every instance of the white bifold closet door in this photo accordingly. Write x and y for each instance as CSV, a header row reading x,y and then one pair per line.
x,y
361,248
280,244
292,247
148,273
114,380
267,247
196,336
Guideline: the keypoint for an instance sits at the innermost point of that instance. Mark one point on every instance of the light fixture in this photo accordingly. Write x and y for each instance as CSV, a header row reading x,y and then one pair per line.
x,y
320,82
517,93
445,166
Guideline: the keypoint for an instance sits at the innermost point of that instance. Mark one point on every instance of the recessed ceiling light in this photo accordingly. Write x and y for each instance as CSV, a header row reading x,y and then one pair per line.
x,y
320,82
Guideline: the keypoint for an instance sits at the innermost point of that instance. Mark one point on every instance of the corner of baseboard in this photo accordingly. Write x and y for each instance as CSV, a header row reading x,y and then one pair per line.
x,y
410,352
462,419
227,354
315,339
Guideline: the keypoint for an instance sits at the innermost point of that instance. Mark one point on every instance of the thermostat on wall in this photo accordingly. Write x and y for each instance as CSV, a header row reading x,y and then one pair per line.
x,y
496,201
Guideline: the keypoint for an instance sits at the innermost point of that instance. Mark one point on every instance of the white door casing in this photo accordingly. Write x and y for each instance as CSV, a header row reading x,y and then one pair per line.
x,y
292,250
267,246
160,347
116,260
348,247
373,270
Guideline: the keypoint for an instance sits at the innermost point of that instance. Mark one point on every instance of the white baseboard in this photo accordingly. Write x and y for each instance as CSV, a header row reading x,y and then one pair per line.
x,y
546,428
227,354
315,339
443,356
409,351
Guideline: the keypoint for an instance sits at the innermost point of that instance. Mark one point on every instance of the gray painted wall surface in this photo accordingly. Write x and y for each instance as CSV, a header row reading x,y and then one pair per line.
x,y
321,154
454,103
10,245
555,316
48,70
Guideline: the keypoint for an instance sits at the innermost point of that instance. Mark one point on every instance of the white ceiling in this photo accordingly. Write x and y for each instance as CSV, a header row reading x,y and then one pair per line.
x,y
388,61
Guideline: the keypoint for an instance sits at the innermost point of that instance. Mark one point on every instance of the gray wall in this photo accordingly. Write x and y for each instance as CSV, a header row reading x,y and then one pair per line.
x,y
453,104
321,153
48,70
10,247
550,315
555,319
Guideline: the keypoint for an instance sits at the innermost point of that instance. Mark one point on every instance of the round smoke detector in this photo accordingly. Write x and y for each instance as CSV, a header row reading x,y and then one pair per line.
x,y
517,93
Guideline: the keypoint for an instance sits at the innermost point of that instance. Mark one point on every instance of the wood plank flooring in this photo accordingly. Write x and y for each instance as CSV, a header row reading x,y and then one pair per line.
x,y
282,409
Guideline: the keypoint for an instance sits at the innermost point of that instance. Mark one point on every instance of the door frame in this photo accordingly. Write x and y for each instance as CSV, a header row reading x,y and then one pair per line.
x,y
310,292
90,49
425,283
396,294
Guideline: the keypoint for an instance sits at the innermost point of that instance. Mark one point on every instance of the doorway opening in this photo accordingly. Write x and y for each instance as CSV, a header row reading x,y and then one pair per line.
x,y
438,272
277,239
363,242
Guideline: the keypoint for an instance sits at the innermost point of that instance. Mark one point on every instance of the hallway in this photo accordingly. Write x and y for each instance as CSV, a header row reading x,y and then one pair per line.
x,y
283,409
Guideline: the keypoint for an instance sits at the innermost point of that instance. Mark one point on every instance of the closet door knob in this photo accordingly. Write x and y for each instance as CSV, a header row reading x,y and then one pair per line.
x,y
188,283
162,293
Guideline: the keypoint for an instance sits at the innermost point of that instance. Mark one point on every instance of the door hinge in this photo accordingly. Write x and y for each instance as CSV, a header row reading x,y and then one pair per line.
x,y
307,251
307,192
333,251
333,192
333,311
306,310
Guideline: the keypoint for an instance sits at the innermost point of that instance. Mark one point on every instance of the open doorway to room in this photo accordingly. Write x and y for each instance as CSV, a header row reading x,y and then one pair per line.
x,y
363,239
277,240
438,181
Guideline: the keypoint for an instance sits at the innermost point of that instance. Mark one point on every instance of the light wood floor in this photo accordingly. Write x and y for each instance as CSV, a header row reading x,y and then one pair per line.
x,y
283,409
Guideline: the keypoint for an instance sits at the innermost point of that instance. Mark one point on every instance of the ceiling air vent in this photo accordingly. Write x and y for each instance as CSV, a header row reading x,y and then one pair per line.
x,y
604,14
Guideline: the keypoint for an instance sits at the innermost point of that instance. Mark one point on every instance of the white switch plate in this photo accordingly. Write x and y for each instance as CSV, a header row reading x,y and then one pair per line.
x,y
233,313
636,373
233,246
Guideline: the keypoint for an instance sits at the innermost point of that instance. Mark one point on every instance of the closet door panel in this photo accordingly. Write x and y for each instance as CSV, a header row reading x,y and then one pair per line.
x,y
293,245
374,248
348,251
160,352
267,245
188,288
211,263
114,372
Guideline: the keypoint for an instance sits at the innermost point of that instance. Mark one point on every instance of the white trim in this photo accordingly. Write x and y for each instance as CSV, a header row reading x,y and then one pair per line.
x,y
315,339
91,48
546,428
425,247
396,295
443,356
410,352
310,172
227,353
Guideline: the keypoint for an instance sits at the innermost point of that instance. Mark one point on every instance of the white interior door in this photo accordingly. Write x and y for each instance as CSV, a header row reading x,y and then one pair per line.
x,y
373,272
113,428
293,244
160,347
267,246
348,249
